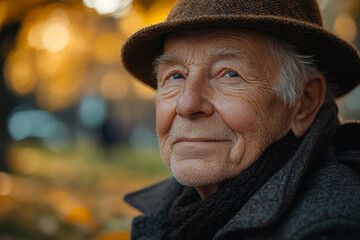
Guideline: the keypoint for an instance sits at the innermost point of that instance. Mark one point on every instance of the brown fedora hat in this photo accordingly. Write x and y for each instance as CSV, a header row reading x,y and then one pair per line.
x,y
297,22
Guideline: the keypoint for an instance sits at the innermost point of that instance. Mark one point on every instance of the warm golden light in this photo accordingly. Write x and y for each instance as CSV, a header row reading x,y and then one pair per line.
x,y
64,63
345,26
59,91
138,17
3,11
53,57
48,64
19,71
114,7
51,33
55,37
115,236
57,196
349,6
107,47
24,160
142,91
114,86
80,215
6,184
158,12
132,21
61,201
33,38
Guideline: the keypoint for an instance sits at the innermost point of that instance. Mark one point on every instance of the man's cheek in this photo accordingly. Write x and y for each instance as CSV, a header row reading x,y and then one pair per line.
x,y
165,114
161,124
165,152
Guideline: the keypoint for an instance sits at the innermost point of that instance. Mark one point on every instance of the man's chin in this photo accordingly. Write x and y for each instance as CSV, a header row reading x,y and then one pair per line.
x,y
197,176
189,182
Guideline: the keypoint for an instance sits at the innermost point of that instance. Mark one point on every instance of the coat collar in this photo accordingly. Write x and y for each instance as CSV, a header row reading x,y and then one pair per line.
x,y
270,201
155,198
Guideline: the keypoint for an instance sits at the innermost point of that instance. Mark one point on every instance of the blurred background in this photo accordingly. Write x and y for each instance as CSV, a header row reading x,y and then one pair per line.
x,y
77,132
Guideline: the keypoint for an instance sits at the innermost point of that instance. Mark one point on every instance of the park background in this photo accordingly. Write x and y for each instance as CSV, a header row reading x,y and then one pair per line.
x,y
77,132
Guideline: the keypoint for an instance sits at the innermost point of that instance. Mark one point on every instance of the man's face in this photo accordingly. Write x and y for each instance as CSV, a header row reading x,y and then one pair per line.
x,y
216,111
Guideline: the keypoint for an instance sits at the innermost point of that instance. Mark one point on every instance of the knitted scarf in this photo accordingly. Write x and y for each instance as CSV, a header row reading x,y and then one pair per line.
x,y
194,218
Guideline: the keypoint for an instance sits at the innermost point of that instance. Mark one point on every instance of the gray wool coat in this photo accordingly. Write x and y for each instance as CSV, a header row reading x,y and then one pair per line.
x,y
315,195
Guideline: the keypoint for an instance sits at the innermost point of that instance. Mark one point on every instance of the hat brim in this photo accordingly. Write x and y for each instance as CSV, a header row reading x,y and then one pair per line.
x,y
337,59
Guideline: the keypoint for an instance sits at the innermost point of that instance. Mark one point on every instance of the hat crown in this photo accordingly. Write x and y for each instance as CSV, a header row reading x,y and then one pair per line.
x,y
301,10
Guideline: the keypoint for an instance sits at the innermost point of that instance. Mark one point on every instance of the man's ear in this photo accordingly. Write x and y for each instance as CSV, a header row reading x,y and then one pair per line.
x,y
309,104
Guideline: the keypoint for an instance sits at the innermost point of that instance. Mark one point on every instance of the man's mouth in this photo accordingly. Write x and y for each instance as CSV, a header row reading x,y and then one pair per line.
x,y
199,140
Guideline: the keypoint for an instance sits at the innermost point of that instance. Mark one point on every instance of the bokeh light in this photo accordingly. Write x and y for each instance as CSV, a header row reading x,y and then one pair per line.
x,y
345,26
138,17
19,71
115,236
6,183
48,225
132,22
58,136
142,139
114,7
53,33
3,11
92,111
30,123
114,86
107,47
79,214
55,37
142,91
24,160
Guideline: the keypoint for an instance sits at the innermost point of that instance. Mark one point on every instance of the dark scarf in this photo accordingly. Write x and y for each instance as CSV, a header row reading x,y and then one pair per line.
x,y
193,218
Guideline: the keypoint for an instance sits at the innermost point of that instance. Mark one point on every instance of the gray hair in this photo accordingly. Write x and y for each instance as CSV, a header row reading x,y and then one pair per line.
x,y
294,70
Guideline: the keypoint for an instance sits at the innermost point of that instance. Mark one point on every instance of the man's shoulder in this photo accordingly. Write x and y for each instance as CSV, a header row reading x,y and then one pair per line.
x,y
334,188
328,201
337,185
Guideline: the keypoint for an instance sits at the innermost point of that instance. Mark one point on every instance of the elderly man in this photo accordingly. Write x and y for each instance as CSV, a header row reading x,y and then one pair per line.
x,y
247,123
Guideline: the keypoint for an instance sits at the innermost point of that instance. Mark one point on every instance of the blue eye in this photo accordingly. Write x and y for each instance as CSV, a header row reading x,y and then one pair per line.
x,y
176,76
232,74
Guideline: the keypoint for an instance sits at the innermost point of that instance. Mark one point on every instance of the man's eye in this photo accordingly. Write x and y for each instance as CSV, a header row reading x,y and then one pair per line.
x,y
176,76
231,74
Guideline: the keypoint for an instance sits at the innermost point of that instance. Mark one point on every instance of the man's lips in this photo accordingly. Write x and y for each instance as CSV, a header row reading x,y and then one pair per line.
x,y
199,140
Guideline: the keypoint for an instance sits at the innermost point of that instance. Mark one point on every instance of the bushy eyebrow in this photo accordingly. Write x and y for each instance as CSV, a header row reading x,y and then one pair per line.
x,y
165,59
225,53
214,56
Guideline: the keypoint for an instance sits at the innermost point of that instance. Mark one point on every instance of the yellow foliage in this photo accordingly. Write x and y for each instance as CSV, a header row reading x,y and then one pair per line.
x,y
115,236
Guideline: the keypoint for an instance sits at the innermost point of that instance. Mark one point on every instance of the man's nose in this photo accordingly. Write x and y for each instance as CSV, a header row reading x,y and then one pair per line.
x,y
194,101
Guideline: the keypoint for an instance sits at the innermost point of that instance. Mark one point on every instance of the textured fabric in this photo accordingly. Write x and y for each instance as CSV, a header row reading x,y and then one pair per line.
x,y
315,195
305,10
297,22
